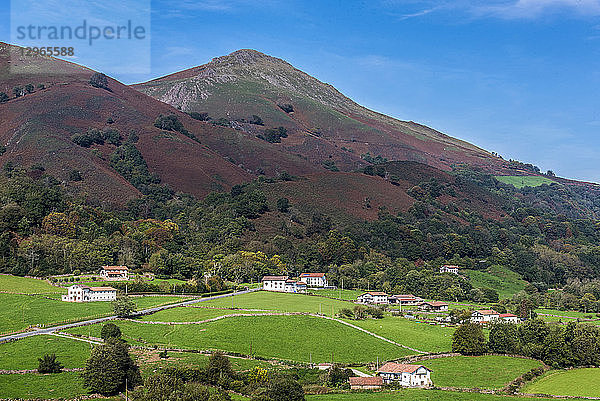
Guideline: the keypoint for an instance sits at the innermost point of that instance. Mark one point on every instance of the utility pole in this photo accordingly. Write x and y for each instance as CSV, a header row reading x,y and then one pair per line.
x,y
126,398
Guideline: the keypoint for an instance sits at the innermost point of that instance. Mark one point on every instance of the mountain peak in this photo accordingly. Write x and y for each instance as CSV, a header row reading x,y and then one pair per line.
x,y
243,57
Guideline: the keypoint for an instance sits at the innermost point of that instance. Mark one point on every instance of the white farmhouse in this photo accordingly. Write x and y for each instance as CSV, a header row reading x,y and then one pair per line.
x,y
406,375
116,273
404,299
314,279
83,293
373,297
449,269
274,283
294,286
484,316
434,306
510,318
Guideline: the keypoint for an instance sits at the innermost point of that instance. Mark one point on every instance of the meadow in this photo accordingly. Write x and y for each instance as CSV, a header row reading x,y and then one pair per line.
x,y
346,295
296,338
576,382
520,181
25,285
504,281
23,354
421,336
34,385
192,314
281,302
489,371
416,395
21,311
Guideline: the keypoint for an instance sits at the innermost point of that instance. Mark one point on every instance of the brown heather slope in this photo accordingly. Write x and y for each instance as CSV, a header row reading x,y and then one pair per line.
x,y
323,122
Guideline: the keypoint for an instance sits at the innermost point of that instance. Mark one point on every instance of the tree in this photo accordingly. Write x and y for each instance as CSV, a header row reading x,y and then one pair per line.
x,y
75,175
338,376
124,306
3,97
99,80
468,339
255,120
110,330
109,367
503,338
49,364
288,108
18,91
199,116
283,205
219,369
29,88
285,390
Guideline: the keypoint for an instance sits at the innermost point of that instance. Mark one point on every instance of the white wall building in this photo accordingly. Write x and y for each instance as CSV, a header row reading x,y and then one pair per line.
x,y
484,316
405,299
116,273
373,297
83,293
449,269
314,279
510,318
406,375
295,286
274,283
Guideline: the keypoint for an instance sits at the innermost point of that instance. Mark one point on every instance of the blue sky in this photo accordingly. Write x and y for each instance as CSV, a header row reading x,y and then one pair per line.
x,y
518,77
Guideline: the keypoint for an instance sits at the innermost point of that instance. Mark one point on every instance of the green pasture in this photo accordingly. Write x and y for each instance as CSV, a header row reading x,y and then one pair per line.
x,y
520,181
23,354
576,383
193,314
25,285
297,338
346,295
34,385
489,371
416,395
504,281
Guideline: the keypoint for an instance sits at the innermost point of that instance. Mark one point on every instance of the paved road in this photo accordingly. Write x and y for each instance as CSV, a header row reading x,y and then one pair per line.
x,y
50,330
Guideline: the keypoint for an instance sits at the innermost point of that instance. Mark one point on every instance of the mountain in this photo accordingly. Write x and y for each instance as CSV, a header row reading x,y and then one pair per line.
x,y
324,125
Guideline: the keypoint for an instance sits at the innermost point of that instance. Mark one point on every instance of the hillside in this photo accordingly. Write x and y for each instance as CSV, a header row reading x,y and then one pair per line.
x,y
324,124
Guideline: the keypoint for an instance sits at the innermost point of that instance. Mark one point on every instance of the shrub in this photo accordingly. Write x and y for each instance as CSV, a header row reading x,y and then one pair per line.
x,y
110,330
223,122
172,123
41,86
283,205
29,88
288,108
123,306
3,97
199,116
468,339
256,120
330,165
99,80
75,175
274,135
49,364
285,390
18,91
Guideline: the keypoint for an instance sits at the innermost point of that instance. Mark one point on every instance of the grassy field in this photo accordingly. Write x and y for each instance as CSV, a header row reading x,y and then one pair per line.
x,y
503,280
285,337
416,395
21,311
521,181
347,295
33,385
191,314
25,285
23,354
575,382
489,371
421,336
281,302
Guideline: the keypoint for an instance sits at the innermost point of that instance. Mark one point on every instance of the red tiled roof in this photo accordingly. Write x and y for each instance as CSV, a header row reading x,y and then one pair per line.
x,y
102,289
374,293
115,268
312,275
507,315
452,267
487,312
393,367
275,278
366,381
435,303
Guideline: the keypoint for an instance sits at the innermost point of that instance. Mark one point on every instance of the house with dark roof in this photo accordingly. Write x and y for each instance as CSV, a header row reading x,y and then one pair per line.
x,y
407,375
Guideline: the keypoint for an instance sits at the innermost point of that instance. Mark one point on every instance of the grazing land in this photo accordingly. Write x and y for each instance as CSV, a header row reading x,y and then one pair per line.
x,y
34,385
576,383
21,311
23,354
504,281
520,181
296,338
415,395
489,371
347,295
193,314
281,302
422,336
25,285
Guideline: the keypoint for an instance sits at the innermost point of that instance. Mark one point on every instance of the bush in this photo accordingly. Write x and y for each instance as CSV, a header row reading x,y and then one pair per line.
x,y
3,97
124,306
109,367
223,122
18,91
199,116
468,339
172,123
99,80
283,205
110,330
256,120
285,390
288,108
274,135
29,88
49,364
75,175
